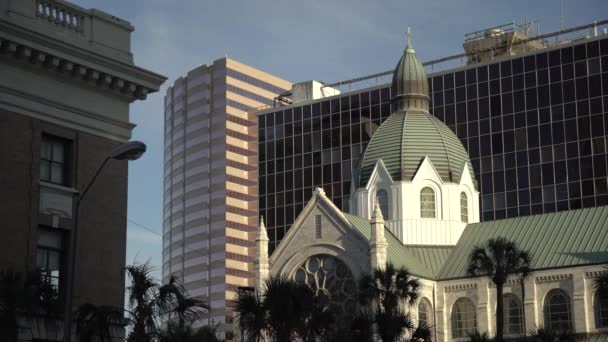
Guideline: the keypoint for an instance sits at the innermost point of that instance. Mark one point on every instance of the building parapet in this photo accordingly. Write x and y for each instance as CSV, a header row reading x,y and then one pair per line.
x,y
85,45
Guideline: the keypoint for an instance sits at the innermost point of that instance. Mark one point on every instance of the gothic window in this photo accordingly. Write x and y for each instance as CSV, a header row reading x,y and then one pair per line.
x,y
427,203
331,279
464,208
464,318
601,310
425,314
558,315
382,198
512,313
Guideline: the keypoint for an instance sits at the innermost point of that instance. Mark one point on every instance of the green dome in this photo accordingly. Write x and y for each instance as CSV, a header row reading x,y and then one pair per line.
x,y
405,139
411,133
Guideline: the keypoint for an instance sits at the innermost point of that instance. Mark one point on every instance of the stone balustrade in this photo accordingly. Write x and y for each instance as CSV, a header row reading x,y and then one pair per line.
x,y
61,14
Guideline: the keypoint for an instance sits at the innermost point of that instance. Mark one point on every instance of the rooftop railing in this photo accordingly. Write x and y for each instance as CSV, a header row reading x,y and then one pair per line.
x,y
460,60
62,14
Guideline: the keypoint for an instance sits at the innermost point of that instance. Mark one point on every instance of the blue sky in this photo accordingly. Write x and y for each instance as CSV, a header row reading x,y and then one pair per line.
x,y
325,40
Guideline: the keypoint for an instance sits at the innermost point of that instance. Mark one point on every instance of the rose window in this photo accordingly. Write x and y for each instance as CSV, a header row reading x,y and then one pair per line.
x,y
331,279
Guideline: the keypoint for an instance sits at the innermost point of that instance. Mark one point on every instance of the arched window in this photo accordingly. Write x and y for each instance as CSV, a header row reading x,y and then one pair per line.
x,y
427,203
464,208
425,312
382,198
558,315
464,318
330,278
512,313
600,305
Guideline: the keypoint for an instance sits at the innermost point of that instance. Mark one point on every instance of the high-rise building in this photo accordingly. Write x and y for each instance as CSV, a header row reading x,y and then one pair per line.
x,y
534,121
67,78
210,193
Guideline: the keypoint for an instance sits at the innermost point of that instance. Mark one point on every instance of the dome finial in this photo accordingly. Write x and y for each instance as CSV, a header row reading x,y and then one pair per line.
x,y
409,47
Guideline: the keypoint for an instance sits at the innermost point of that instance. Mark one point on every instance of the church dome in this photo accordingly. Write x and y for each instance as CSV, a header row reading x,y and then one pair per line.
x,y
405,139
411,133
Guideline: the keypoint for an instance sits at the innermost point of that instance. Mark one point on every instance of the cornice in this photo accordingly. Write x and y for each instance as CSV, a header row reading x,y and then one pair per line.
x,y
552,278
51,56
461,287
509,282
594,274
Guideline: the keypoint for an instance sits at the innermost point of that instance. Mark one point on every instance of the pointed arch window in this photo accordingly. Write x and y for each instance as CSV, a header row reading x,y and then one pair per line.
x,y
464,207
425,314
382,198
558,314
601,310
513,316
464,318
427,203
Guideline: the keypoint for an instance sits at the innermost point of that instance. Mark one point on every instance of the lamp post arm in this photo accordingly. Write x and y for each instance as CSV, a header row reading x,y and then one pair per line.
x,y
70,279
92,181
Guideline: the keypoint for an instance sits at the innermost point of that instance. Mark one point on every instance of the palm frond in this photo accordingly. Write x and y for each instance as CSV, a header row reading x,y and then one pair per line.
x,y
251,315
95,321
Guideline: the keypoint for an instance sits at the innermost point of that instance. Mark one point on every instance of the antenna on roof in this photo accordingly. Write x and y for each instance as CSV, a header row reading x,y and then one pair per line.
x,y
561,15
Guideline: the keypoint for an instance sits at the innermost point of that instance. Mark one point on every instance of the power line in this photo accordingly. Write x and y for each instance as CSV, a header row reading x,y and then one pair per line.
x,y
144,227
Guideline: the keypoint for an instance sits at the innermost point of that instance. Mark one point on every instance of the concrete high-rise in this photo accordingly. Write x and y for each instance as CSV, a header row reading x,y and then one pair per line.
x,y
210,184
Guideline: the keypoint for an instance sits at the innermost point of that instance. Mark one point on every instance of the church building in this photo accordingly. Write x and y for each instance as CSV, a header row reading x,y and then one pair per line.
x,y
415,204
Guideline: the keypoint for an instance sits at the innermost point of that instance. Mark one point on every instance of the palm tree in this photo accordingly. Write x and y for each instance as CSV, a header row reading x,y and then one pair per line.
x,y
498,259
548,335
176,331
422,333
150,302
601,283
94,321
386,294
28,294
251,315
285,310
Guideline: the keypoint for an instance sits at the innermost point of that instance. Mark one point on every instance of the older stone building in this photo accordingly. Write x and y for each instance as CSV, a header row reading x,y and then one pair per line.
x,y
416,204
67,78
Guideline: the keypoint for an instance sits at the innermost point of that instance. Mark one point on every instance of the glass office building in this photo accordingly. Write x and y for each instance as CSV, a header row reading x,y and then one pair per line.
x,y
534,125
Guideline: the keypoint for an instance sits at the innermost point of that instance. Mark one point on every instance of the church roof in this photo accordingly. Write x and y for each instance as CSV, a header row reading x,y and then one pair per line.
x,y
556,240
405,139
563,239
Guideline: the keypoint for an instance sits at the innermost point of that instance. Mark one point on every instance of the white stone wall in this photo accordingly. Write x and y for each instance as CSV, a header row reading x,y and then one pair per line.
x,y
577,283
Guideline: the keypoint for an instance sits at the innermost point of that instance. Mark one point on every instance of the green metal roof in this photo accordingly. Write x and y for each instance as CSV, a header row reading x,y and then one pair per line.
x,y
567,238
405,139
432,257
421,261
563,239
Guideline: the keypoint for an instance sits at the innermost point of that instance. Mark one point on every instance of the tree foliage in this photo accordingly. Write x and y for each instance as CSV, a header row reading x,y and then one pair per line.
x,y
385,296
150,303
499,259
286,310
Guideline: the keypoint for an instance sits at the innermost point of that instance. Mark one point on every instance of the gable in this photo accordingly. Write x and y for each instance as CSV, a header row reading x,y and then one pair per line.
x,y
380,175
337,238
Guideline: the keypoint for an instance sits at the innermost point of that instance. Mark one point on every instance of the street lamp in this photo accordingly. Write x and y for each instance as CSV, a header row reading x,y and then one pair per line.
x,y
129,151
